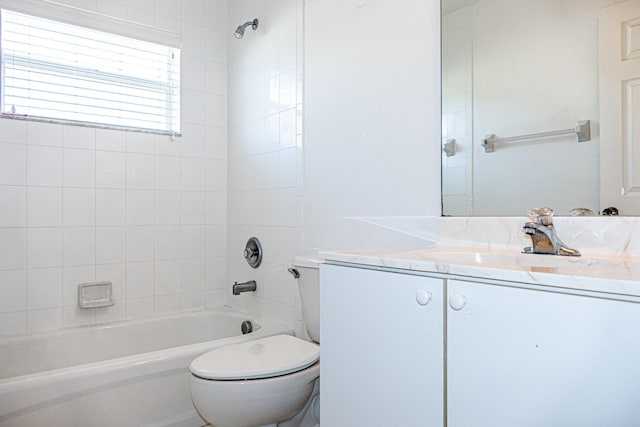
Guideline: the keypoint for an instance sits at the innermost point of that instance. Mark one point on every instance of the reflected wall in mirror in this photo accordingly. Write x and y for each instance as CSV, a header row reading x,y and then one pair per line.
x,y
519,67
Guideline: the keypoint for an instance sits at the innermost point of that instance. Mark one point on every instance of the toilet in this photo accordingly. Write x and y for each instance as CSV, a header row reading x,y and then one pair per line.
x,y
266,381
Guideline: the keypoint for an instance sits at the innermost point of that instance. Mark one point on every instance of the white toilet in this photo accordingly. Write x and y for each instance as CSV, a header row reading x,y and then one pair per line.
x,y
265,381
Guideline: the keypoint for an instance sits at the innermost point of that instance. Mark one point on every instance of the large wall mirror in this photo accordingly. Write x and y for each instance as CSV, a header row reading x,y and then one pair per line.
x,y
529,72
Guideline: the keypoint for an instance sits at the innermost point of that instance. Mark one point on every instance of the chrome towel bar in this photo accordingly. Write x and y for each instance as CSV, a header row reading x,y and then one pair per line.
x,y
582,130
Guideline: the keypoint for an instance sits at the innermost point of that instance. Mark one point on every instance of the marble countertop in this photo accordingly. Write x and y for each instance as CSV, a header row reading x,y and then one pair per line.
x,y
615,274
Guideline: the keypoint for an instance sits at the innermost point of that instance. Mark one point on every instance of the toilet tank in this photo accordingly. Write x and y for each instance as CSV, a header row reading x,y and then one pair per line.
x,y
309,285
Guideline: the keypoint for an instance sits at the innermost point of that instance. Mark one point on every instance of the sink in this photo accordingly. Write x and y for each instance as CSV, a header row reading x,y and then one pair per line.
x,y
516,260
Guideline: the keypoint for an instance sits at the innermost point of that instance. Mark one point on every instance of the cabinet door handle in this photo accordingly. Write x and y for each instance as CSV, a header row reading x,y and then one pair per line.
x,y
457,302
423,297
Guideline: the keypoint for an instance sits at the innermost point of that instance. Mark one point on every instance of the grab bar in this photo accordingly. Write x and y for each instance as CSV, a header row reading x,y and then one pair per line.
x,y
582,130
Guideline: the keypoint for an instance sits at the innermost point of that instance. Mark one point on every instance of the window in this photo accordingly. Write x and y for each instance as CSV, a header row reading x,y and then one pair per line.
x,y
61,72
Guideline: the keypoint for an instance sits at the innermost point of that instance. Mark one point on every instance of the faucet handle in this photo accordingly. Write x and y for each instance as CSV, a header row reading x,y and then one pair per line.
x,y
542,216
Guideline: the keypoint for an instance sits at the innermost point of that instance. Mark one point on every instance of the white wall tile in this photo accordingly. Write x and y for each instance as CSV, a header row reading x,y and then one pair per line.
x,y
110,207
44,166
44,319
44,287
79,207
193,275
44,134
79,168
139,279
193,174
44,247
193,241
13,206
110,140
216,273
140,307
193,207
13,164
140,243
167,207
13,131
13,323
168,242
110,245
13,244
110,169
167,173
140,207
138,142
79,245
165,304
13,295
167,277
216,208
44,206
140,171
79,137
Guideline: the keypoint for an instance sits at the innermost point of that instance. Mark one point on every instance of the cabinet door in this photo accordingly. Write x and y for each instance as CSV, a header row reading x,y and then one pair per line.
x,y
527,358
381,351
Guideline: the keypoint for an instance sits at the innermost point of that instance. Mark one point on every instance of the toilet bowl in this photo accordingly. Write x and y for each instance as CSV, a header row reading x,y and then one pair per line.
x,y
265,381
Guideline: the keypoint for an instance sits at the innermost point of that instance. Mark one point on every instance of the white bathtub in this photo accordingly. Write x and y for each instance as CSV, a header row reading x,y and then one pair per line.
x,y
132,373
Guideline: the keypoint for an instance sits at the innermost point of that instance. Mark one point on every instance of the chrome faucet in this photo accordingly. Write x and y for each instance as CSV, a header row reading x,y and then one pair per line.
x,y
543,234
249,286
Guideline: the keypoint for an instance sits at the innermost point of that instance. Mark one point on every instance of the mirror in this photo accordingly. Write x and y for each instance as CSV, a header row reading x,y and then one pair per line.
x,y
520,68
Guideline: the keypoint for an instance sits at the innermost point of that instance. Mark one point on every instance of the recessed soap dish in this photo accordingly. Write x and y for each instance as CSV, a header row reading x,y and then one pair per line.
x,y
94,295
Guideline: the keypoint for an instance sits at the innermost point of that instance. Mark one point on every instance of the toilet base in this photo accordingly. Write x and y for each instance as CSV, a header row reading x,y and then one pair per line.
x,y
253,403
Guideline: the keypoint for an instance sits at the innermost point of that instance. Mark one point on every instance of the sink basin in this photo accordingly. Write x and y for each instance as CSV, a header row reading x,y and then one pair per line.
x,y
519,260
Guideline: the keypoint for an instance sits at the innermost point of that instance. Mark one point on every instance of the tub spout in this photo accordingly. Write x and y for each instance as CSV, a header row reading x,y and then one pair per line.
x,y
249,286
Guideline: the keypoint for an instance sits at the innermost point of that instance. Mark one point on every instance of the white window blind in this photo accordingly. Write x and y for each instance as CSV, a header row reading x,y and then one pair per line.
x,y
61,72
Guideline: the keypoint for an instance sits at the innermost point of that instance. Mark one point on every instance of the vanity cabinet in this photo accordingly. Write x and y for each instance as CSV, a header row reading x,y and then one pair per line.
x,y
381,348
515,354
529,358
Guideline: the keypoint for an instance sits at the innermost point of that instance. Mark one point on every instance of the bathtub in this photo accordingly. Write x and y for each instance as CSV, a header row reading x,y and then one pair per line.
x,y
133,373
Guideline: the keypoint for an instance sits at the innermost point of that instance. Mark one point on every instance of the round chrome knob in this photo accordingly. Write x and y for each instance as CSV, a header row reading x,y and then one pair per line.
x,y
457,302
423,297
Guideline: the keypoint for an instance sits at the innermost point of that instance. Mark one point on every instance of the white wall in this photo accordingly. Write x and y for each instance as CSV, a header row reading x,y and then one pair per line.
x,y
265,154
372,118
79,204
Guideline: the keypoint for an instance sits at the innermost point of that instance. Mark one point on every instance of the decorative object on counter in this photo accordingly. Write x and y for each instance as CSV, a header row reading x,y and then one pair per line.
x,y
610,211
94,295
253,252
581,212
249,286
543,234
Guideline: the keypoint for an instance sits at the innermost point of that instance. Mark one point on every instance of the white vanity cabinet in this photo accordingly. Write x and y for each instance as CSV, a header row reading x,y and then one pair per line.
x,y
381,348
528,358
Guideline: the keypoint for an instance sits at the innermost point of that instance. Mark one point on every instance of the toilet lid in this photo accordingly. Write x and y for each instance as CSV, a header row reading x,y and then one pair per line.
x,y
261,358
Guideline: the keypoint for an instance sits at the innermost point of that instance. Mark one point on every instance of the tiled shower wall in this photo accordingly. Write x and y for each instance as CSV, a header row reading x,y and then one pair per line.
x,y
265,154
79,204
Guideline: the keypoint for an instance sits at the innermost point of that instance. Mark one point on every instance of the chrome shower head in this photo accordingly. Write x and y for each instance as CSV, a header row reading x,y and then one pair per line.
x,y
240,30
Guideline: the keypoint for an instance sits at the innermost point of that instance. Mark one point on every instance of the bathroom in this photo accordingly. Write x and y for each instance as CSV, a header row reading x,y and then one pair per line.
x,y
287,134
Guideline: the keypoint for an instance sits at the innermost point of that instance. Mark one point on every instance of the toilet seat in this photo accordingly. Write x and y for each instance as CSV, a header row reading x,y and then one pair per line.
x,y
262,358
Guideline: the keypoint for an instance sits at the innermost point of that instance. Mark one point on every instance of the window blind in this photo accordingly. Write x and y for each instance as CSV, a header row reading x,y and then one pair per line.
x,y
56,71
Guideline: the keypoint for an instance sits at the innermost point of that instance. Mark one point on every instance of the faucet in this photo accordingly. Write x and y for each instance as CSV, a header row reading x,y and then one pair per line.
x,y
249,286
543,234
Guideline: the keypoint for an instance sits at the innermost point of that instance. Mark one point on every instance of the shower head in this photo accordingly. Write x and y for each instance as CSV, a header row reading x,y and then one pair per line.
x,y
240,30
